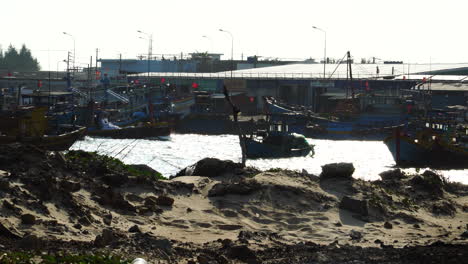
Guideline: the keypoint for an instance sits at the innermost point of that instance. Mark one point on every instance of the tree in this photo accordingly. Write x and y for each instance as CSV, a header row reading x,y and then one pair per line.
x,y
22,61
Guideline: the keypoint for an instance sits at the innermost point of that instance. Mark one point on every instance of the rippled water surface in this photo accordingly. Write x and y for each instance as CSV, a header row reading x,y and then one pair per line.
x,y
178,151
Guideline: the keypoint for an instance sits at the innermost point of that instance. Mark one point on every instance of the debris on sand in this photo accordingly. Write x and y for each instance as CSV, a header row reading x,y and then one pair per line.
x,y
217,212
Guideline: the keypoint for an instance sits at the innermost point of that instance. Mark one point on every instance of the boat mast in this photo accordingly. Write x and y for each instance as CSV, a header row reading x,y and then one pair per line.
x,y
350,75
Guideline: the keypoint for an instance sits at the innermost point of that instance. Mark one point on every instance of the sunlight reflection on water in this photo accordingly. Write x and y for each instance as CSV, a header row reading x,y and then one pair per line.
x,y
170,155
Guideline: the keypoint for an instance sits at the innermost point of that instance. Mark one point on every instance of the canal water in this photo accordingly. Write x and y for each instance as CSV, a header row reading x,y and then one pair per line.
x,y
178,151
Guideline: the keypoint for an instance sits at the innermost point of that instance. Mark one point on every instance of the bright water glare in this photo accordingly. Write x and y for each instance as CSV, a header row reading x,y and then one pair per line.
x,y
179,151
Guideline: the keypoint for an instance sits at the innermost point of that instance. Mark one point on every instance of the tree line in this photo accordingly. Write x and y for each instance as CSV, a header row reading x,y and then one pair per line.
x,y
14,60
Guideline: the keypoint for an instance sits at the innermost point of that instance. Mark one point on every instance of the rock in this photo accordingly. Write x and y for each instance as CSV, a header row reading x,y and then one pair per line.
x,y
430,182
392,175
210,167
355,235
360,207
222,259
84,220
107,219
443,208
28,219
243,187
106,238
164,201
203,259
8,230
242,253
337,170
115,180
77,226
134,229
416,226
388,225
70,186
30,242
12,207
4,184
338,224
163,244
134,198
229,227
107,196
464,235
407,218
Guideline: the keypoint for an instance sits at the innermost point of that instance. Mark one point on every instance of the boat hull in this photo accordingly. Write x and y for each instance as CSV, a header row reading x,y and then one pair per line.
x,y
48,142
257,149
132,132
407,152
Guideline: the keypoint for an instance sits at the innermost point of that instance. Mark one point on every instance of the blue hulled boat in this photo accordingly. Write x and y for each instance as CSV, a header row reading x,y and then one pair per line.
x,y
433,145
277,142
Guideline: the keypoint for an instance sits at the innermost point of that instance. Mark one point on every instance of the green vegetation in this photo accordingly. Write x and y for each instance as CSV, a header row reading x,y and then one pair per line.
x,y
27,258
12,60
93,162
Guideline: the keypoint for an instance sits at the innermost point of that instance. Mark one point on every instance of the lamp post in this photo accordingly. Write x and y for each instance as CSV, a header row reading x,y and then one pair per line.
x,y
232,48
74,51
324,49
150,50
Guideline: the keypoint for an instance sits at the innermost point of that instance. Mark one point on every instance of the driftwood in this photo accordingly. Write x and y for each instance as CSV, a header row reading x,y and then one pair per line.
x,y
235,112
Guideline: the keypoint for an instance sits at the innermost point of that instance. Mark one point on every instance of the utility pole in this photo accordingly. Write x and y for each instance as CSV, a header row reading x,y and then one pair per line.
x,y
68,71
97,53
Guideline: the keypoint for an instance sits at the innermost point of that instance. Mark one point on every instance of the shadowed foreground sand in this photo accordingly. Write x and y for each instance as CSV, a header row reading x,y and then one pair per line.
x,y
226,214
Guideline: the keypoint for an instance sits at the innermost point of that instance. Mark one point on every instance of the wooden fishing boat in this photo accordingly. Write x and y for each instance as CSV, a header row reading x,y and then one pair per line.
x,y
29,125
276,142
58,142
434,145
137,132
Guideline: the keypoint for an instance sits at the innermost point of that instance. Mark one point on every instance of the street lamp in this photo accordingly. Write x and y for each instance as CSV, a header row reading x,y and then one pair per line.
x,y
74,54
150,49
324,49
232,48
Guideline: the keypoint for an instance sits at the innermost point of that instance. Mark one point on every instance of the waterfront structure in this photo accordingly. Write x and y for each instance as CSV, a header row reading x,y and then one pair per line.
x,y
303,84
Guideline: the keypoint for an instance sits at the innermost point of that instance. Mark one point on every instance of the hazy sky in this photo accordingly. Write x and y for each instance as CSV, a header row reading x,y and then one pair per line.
x,y
416,31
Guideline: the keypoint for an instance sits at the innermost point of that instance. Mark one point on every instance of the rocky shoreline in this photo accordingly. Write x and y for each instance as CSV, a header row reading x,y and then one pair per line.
x,y
218,212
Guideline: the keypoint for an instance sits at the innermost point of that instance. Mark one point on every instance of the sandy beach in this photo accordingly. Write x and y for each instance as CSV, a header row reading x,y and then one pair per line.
x,y
218,212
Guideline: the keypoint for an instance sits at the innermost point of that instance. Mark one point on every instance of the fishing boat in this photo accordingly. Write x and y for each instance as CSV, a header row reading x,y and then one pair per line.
x,y
151,129
432,143
28,125
276,142
353,125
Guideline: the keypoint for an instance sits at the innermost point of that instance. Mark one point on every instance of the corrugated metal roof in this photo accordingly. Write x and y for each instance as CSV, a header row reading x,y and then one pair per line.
x,y
449,87
311,71
420,77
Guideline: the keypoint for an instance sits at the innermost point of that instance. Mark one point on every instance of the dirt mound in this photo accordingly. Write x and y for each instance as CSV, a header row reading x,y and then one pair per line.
x,y
85,202
211,167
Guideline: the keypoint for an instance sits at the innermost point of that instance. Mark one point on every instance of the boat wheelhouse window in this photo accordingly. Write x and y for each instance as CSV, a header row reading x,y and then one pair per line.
x,y
286,128
433,137
428,125
272,128
454,139
279,128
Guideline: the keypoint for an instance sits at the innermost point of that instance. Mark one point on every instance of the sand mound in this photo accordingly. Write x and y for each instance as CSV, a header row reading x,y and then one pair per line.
x,y
87,202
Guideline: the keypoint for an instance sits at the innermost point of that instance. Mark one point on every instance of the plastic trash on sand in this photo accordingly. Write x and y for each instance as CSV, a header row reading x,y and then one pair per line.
x,y
139,261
